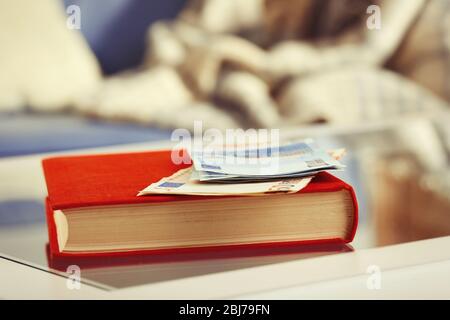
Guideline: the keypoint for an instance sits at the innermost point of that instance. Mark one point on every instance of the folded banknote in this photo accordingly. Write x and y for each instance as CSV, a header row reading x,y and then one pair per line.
x,y
291,160
181,183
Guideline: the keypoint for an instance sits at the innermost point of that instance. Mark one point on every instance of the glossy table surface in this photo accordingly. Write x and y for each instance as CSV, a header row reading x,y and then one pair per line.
x,y
23,234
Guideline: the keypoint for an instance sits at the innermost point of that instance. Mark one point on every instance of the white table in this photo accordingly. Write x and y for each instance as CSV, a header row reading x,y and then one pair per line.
x,y
412,270
416,270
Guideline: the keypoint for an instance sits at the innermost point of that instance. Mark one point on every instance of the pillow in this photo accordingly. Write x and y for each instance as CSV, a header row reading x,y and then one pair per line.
x,y
43,64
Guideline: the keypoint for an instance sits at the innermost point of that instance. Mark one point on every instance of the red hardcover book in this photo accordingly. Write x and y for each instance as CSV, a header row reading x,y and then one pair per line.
x,y
93,210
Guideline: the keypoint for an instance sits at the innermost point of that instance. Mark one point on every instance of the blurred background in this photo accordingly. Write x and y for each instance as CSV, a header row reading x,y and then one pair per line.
x,y
370,76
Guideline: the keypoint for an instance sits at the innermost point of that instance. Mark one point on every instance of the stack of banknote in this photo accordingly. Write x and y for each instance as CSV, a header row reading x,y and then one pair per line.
x,y
249,171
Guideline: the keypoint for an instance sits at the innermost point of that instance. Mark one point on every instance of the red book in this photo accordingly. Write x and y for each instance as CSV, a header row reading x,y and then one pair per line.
x,y
93,210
